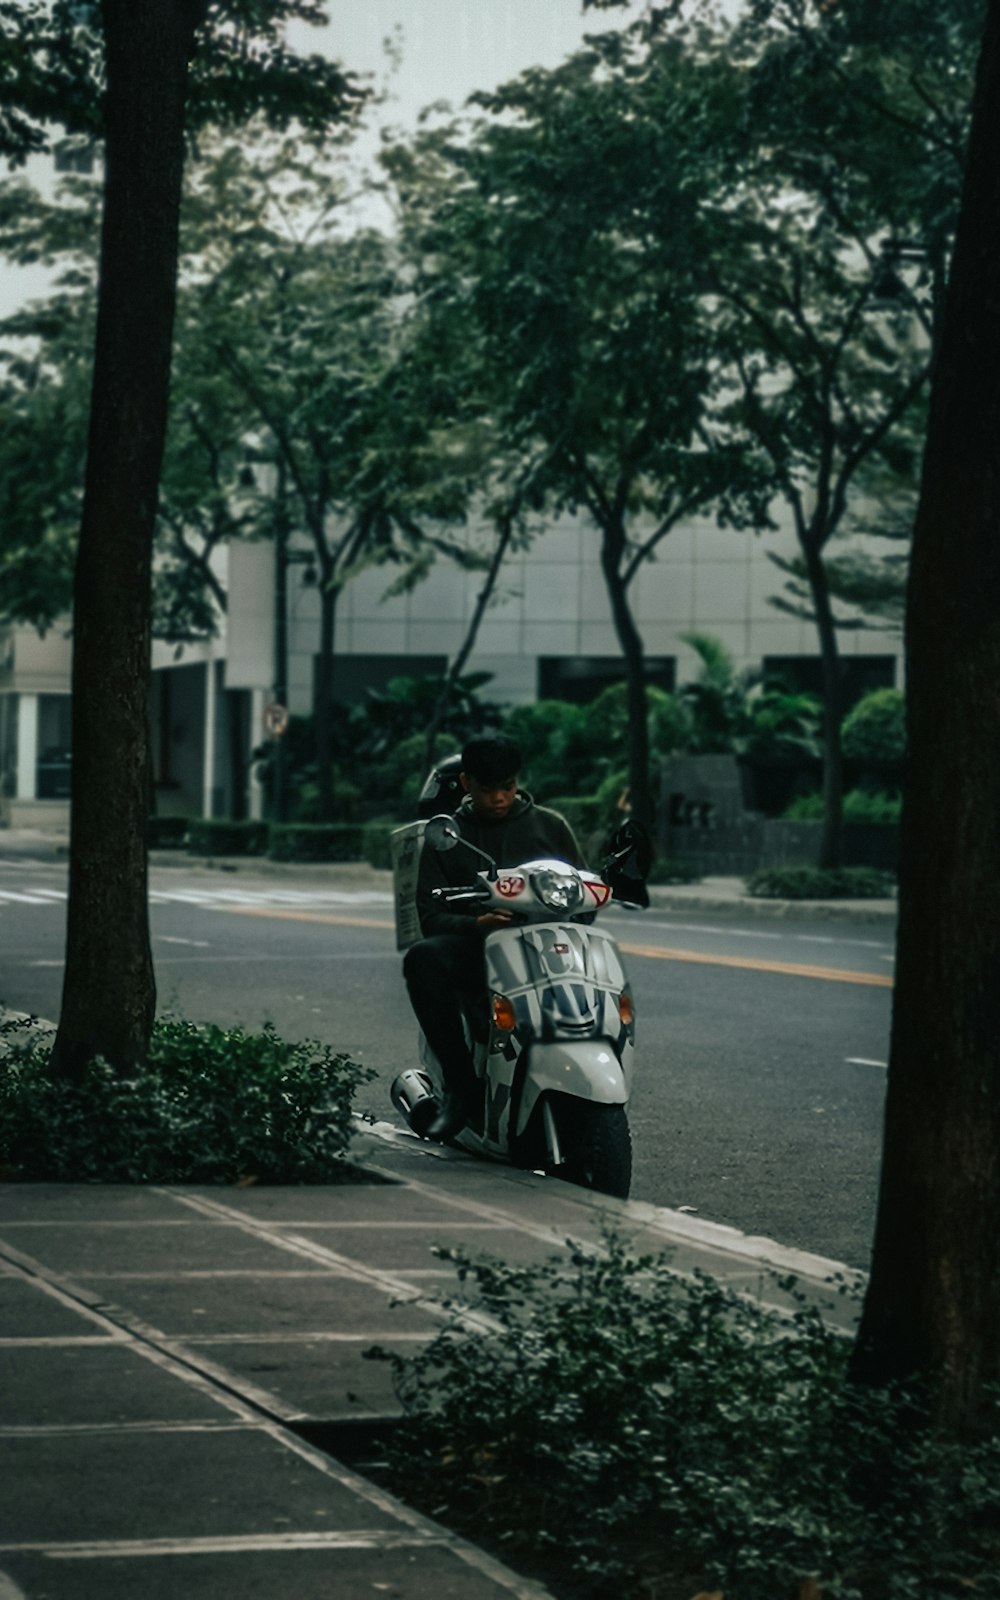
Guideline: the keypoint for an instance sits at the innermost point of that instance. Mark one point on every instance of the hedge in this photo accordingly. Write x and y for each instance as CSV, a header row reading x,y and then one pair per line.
x,y
167,833
316,841
221,836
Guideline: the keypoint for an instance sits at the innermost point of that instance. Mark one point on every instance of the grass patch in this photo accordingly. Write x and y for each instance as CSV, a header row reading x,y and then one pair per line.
x,y
624,1430
214,1105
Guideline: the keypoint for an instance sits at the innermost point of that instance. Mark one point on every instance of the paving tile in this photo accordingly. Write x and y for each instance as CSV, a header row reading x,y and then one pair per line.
x,y
73,1251
307,1303
399,1248
323,1380
134,1485
81,1384
28,1311
41,1203
402,1573
332,1204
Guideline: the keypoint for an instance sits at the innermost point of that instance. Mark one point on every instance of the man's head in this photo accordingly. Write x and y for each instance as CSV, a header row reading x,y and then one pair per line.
x,y
489,775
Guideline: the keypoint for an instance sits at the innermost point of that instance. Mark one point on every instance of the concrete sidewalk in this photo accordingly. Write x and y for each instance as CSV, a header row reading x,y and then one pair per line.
x,y
168,1354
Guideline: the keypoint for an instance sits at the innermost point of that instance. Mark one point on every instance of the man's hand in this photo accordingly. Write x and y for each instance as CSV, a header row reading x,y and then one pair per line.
x,y
494,919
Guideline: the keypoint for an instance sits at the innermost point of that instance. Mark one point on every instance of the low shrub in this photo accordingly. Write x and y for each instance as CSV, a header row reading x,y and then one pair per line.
x,y
214,1105
167,833
619,1429
316,841
881,806
221,836
376,844
667,869
820,883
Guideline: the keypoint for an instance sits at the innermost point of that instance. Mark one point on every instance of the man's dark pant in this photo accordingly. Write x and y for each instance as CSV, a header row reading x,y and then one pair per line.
x,y
442,973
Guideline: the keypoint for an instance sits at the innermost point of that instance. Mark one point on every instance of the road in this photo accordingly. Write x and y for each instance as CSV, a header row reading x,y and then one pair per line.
x,y
761,1045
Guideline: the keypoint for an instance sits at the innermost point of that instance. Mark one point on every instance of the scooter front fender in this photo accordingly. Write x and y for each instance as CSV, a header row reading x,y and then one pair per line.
x,y
585,1068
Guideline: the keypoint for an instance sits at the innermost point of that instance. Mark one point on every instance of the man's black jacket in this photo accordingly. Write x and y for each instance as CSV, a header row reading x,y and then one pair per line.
x,y
527,833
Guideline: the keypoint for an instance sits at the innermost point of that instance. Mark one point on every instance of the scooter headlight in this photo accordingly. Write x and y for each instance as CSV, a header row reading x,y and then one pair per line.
x,y
560,891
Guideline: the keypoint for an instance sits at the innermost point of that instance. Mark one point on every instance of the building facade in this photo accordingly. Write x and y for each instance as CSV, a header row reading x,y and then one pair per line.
x,y
547,634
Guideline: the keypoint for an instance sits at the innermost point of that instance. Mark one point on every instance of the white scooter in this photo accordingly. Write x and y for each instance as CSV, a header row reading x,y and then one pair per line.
x,y
553,1043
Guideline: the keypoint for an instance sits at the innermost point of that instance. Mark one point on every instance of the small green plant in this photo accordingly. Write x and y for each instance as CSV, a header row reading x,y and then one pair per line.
x,y
623,1430
214,1105
820,883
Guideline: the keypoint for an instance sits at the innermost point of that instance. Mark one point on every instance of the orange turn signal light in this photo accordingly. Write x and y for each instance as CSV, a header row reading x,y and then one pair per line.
x,y
626,1010
504,1015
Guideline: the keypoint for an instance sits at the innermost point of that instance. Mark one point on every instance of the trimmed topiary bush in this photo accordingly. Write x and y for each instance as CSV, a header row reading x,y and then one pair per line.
x,y
874,732
214,1105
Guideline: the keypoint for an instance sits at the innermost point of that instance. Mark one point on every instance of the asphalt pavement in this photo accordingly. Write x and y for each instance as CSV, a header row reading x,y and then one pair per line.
x,y
183,1382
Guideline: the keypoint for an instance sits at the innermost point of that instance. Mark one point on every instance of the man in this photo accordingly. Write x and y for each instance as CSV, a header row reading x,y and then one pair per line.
x,y
445,967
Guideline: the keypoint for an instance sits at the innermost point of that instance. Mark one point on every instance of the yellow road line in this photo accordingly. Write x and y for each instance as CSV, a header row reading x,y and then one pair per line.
x,y
336,918
789,969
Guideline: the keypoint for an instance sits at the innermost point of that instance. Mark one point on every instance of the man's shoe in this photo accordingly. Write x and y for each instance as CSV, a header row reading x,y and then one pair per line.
x,y
451,1118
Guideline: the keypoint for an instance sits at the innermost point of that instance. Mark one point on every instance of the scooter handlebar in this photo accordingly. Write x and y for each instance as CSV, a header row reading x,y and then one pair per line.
x,y
457,895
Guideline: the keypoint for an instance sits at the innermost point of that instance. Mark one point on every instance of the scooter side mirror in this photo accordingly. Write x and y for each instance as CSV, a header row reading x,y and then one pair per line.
x,y
441,833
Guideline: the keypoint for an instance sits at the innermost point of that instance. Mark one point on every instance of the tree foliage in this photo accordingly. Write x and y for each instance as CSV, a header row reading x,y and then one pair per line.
x,y
566,238
124,71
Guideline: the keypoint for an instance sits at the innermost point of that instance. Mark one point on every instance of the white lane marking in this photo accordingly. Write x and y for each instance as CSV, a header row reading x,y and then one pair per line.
x,y
11,895
865,1061
168,938
268,897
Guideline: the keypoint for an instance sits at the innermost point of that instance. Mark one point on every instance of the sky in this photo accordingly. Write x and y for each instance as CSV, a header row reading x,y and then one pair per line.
x,y
452,47
449,49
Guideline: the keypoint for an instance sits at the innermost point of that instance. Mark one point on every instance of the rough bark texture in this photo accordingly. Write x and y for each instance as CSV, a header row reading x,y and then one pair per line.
x,y
933,1304
833,761
630,639
109,994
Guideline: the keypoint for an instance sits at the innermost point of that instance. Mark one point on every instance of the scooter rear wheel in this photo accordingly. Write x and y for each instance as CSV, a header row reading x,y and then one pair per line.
x,y
595,1145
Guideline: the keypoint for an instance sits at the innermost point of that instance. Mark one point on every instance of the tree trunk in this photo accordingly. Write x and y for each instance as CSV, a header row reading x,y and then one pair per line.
x,y
932,1311
831,841
505,533
109,996
630,639
329,593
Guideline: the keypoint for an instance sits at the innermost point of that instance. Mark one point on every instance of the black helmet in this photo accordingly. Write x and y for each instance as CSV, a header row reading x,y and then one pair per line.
x,y
442,790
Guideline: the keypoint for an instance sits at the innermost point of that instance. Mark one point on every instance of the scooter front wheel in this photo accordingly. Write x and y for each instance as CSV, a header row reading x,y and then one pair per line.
x,y
595,1145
